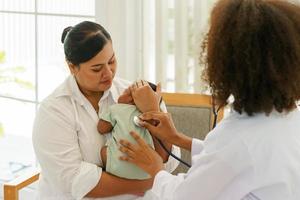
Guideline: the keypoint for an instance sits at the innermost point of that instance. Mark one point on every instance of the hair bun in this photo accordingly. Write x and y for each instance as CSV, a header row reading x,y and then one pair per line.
x,y
65,32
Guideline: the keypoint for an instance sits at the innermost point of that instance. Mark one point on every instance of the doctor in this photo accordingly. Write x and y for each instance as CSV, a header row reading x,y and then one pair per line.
x,y
253,54
65,137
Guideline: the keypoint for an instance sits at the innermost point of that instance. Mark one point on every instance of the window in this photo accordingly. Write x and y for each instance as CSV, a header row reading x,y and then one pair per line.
x,y
31,66
158,40
173,44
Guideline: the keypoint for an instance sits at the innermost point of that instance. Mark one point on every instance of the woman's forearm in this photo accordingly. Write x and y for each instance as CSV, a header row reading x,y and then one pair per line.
x,y
110,185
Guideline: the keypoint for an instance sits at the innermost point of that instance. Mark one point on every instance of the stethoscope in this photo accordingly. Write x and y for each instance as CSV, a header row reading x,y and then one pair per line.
x,y
215,111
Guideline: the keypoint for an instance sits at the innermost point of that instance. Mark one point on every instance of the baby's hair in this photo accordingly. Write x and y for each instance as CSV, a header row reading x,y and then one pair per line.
x,y
153,86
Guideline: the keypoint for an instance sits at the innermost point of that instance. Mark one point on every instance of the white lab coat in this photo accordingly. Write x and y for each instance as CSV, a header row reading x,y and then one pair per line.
x,y
244,157
67,143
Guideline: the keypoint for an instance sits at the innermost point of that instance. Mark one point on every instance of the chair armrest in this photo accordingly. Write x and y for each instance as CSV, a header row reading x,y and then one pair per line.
x,y
11,189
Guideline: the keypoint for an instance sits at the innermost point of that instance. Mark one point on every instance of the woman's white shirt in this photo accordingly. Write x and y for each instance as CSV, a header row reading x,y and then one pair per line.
x,y
245,158
67,143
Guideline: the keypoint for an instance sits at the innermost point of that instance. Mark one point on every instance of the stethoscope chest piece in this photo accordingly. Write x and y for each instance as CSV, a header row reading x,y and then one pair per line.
x,y
136,121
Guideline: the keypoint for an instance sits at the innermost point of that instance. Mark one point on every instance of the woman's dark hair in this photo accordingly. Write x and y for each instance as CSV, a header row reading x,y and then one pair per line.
x,y
253,53
83,41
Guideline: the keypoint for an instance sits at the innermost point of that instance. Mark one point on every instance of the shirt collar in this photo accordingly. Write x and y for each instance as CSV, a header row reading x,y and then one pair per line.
x,y
114,92
111,92
75,91
70,88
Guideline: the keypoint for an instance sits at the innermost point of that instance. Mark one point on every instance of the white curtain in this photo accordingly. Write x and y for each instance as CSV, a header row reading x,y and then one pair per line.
x,y
158,40
122,19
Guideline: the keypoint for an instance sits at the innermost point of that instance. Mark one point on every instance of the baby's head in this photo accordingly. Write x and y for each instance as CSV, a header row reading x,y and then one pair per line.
x,y
126,97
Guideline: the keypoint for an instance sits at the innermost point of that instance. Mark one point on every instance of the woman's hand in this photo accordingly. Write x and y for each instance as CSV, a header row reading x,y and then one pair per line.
x,y
142,155
144,97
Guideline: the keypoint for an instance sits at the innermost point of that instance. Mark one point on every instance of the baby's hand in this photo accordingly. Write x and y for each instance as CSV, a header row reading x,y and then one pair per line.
x,y
104,127
144,97
137,121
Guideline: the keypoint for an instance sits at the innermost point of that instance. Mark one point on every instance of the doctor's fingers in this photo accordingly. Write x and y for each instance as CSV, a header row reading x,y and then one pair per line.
x,y
128,145
150,127
127,158
139,140
155,115
127,151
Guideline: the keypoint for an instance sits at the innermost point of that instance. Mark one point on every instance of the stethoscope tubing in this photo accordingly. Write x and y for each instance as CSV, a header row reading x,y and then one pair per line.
x,y
215,113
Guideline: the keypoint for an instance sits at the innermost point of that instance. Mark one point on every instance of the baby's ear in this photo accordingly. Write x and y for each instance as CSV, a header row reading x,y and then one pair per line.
x,y
120,99
125,99
126,91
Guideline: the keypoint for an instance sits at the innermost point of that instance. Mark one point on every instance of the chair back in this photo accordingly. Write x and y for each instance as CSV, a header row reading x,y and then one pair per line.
x,y
192,115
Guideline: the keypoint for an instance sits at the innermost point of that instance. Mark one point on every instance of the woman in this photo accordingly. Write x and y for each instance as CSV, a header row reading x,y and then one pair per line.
x,y
65,136
253,54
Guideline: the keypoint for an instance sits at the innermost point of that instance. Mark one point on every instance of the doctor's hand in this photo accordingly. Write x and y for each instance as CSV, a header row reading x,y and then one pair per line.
x,y
142,155
144,97
163,128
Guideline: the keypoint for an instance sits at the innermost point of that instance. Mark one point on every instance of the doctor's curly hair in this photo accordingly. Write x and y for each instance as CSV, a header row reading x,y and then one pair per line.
x,y
252,52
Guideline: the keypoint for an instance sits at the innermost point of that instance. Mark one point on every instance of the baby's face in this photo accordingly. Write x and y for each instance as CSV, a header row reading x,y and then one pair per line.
x,y
126,98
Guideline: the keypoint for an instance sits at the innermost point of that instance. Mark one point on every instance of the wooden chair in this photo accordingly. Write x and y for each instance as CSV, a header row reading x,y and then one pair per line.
x,y
191,113
11,189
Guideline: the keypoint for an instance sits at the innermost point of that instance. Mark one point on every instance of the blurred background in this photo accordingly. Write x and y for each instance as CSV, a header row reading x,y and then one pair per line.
x,y
156,40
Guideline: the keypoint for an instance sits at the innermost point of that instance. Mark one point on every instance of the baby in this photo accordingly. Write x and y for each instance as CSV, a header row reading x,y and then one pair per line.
x,y
119,120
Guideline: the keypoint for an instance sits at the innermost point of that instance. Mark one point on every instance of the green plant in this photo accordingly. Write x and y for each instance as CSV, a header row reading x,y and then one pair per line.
x,y
2,56
1,130
10,75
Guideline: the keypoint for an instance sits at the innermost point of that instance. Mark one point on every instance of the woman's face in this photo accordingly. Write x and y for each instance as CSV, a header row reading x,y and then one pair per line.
x,y
96,75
